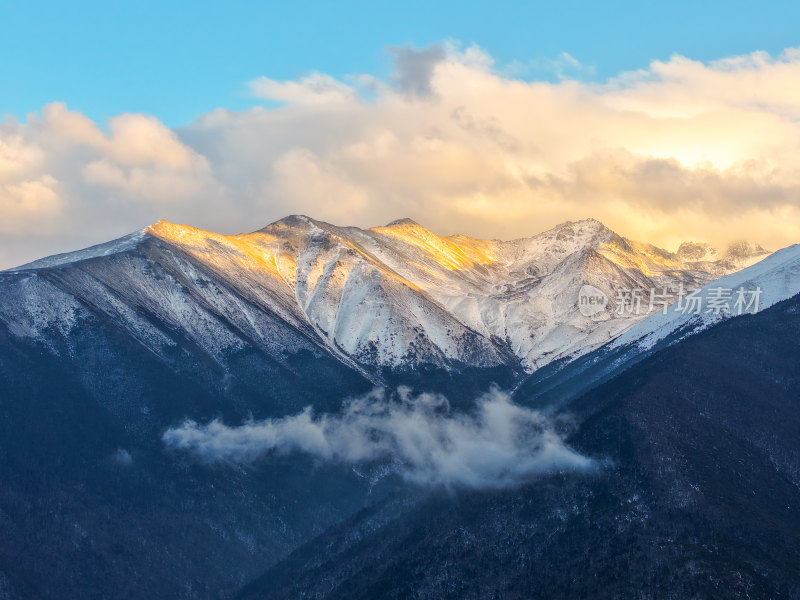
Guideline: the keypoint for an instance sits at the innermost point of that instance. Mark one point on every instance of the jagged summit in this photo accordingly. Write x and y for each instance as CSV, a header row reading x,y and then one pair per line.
x,y
290,221
744,249
587,222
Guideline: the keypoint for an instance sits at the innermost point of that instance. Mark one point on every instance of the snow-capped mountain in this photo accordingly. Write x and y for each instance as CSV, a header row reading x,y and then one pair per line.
x,y
748,291
105,349
525,291
760,286
396,297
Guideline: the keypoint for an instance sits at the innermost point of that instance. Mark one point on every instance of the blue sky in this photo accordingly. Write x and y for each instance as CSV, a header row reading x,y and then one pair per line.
x,y
176,60
486,121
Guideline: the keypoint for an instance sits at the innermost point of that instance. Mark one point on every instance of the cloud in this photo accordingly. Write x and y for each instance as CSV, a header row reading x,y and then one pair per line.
x,y
563,66
28,203
682,150
65,183
414,69
316,88
499,444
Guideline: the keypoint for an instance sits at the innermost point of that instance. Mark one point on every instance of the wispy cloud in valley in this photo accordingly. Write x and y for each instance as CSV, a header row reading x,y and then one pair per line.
x,y
498,444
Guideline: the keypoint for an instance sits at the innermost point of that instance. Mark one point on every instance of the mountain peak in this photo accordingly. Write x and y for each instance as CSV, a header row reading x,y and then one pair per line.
x,y
744,249
184,235
404,222
583,225
291,222
696,251
587,221
163,225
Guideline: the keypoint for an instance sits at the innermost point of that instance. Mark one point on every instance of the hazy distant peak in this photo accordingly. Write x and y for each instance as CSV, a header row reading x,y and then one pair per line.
x,y
696,251
744,249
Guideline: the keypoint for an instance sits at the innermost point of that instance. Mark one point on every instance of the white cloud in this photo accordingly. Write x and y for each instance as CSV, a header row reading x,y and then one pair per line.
x,y
498,445
681,150
29,203
316,88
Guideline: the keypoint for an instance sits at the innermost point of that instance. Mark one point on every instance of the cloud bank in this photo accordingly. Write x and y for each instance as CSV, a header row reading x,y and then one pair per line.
x,y
497,445
681,150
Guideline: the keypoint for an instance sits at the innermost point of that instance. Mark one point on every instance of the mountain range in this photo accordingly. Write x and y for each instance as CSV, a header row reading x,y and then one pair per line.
x,y
105,350
394,297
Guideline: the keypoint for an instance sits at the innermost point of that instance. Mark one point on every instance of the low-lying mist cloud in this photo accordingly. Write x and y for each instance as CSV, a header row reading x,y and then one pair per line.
x,y
498,444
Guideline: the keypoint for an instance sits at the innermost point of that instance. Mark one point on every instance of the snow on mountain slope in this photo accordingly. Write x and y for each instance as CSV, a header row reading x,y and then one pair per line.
x,y
396,296
159,296
128,242
321,280
772,280
525,291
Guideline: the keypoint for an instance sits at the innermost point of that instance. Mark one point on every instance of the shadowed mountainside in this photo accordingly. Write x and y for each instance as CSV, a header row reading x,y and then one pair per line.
x,y
696,495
